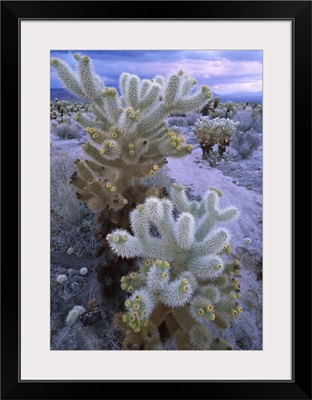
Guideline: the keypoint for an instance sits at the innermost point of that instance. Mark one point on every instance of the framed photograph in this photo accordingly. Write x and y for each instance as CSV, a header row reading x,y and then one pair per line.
x,y
157,160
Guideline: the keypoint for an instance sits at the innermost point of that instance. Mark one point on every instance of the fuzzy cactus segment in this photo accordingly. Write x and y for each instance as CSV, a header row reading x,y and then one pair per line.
x,y
127,129
183,274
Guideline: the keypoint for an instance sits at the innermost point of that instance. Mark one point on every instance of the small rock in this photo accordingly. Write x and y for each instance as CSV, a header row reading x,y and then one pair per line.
x,y
83,271
70,251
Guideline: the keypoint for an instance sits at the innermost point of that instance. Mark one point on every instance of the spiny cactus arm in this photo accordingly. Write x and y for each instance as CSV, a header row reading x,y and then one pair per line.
x,y
87,122
177,293
101,117
181,201
214,243
138,309
202,309
124,244
185,231
206,267
172,89
213,214
193,102
187,85
158,276
68,78
150,97
112,105
90,82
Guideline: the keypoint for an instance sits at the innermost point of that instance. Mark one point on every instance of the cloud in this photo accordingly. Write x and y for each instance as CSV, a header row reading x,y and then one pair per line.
x,y
224,70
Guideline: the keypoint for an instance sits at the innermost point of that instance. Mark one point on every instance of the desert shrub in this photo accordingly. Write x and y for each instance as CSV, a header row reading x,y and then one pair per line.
x,y
71,222
245,143
192,118
176,121
66,130
249,118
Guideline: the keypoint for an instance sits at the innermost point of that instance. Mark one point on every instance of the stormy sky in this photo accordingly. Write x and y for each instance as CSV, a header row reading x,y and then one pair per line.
x,y
224,71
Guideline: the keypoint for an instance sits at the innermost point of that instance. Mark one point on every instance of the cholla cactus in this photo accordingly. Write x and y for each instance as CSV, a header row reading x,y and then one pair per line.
x,y
214,131
183,283
129,140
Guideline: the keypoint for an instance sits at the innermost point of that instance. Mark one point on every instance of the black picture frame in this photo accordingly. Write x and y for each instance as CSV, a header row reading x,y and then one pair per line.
x,y
299,12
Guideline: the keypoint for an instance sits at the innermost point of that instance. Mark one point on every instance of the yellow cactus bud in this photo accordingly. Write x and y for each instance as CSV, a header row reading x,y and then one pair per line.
x,y
151,173
144,313
212,316
164,275
175,185
106,141
124,201
166,264
95,136
113,189
136,306
114,135
200,312
108,185
179,147
155,167
133,275
116,239
140,321
128,303
132,318
189,147
236,262
234,312
185,289
239,309
131,152
209,308
138,297
125,318
158,263
147,263
124,286
123,279
218,266
111,144
140,207
180,187
180,72
135,314
233,295
146,323
173,144
102,151
237,271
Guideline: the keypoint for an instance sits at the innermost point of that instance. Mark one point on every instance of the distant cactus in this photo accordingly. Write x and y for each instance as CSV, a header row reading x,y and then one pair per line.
x,y
183,284
128,142
214,131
